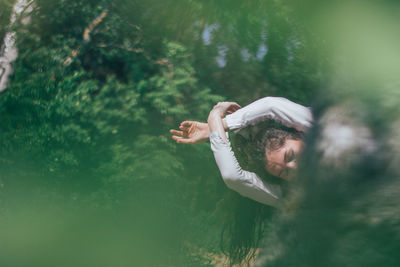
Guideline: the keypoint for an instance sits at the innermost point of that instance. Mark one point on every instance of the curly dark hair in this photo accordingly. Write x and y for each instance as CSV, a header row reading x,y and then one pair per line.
x,y
273,139
251,150
247,219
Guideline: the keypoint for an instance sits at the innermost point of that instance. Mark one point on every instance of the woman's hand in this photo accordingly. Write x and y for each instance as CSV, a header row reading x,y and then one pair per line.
x,y
223,108
215,118
192,132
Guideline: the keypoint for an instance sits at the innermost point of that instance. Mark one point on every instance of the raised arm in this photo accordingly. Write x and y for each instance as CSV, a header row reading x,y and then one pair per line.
x,y
246,183
275,108
279,109
193,132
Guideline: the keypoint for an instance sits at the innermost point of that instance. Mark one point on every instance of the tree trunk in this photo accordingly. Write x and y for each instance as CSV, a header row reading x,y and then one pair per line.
x,y
8,53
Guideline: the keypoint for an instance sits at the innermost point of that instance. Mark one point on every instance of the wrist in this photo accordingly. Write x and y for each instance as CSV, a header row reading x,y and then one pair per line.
x,y
213,116
216,113
205,132
225,125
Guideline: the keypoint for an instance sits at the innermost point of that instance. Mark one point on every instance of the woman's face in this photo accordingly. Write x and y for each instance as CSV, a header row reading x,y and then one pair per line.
x,y
283,161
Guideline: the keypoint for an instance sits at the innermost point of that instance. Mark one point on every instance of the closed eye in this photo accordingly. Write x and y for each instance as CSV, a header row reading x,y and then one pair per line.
x,y
290,156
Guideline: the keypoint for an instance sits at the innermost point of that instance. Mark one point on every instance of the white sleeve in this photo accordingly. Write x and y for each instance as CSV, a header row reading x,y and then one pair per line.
x,y
279,109
248,184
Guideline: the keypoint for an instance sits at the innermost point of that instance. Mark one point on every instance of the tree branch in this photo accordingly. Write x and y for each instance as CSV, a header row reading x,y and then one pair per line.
x,y
86,35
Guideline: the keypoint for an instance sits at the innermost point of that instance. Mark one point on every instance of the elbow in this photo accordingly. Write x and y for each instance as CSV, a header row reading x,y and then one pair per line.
x,y
230,178
233,185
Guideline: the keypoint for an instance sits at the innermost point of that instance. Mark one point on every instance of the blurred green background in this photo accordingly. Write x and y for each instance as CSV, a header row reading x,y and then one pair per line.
x,y
89,175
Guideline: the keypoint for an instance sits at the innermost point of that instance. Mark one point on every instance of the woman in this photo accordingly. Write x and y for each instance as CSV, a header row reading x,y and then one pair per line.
x,y
280,147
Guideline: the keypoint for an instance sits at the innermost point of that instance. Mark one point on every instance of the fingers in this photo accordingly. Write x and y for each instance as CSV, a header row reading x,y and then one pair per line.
x,y
187,123
233,106
227,107
180,136
233,109
228,104
175,132
176,138
181,140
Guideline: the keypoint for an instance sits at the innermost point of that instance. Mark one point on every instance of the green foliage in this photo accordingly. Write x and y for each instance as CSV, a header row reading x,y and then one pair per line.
x,y
176,86
84,123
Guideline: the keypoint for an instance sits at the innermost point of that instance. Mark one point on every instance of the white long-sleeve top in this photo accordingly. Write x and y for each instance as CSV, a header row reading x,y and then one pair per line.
x,y
246,183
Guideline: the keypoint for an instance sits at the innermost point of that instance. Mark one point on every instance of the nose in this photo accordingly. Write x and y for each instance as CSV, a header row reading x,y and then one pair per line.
x,y
292,165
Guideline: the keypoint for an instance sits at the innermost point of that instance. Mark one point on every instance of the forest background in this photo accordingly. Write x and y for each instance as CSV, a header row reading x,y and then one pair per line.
x,y
89,175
